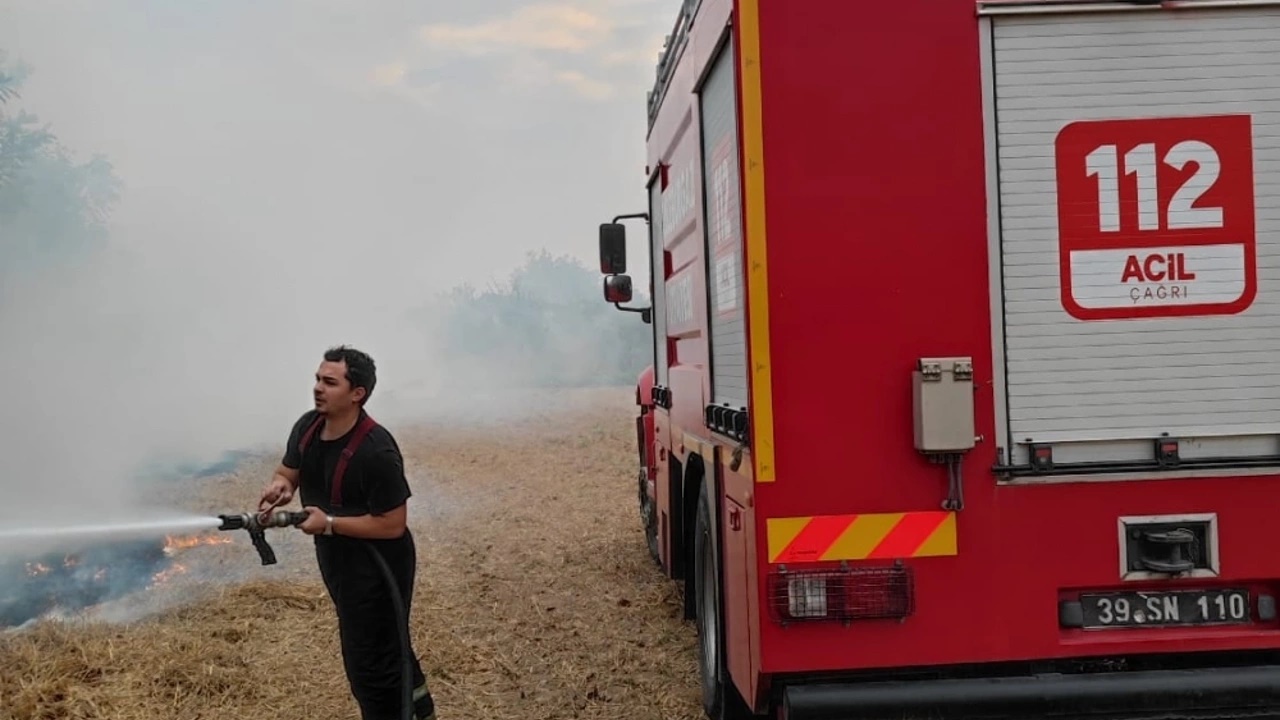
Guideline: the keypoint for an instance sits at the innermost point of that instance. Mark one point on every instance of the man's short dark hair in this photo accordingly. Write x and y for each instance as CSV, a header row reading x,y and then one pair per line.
x,y
361,370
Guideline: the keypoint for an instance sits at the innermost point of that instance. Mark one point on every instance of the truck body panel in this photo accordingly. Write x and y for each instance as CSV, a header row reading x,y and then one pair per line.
x,y
894,254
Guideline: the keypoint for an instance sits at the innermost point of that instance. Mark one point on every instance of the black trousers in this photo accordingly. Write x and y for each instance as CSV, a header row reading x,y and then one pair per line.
x,y
367,621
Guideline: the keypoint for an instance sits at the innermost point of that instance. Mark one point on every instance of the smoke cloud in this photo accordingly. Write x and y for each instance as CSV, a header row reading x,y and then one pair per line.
x,y
276,178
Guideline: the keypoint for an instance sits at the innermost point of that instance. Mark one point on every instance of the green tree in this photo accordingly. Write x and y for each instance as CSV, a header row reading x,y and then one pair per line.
x,y
52,208
548,326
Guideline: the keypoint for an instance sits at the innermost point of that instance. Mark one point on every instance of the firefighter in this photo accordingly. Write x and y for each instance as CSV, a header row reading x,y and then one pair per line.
x,y
359,500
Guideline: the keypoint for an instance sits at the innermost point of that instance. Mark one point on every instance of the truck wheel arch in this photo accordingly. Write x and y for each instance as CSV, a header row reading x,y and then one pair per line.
x,y
672,527
721,698
691,487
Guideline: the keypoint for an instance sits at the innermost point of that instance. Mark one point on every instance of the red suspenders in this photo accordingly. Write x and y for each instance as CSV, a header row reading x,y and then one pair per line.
x,y
362,429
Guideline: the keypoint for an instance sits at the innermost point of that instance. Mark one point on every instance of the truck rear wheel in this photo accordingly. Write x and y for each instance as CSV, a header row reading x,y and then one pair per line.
x,y
720,699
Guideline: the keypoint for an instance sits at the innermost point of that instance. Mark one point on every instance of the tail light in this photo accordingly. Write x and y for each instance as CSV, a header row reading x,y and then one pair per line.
x,y
841,594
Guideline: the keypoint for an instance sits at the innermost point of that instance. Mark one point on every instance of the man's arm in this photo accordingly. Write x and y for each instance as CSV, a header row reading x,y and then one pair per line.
x,y
283,484
386,491
386,526
279,489
290,475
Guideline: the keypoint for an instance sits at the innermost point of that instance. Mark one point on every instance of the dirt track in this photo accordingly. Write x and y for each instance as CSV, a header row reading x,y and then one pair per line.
x,y
535,597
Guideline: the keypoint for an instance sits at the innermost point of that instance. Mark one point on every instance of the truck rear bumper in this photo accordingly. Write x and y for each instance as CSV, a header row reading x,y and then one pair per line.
x,y
1252,691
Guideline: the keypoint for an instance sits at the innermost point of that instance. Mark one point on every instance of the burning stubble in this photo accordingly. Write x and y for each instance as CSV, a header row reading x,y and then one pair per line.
x,y
68,568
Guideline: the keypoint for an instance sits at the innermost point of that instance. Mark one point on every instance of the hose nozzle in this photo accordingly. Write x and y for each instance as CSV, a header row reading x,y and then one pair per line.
x,y
258,521
255,523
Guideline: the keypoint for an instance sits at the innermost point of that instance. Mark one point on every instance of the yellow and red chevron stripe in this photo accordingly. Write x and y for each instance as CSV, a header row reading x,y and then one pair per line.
x,y
862,537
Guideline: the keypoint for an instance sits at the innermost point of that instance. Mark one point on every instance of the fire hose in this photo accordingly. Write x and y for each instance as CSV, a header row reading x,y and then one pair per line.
x,y
257,523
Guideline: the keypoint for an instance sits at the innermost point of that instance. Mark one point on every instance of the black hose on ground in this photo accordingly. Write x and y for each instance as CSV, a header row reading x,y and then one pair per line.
x,y
406,665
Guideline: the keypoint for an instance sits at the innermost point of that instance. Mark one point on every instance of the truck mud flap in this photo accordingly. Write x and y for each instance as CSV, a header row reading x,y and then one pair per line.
x,y
1252,692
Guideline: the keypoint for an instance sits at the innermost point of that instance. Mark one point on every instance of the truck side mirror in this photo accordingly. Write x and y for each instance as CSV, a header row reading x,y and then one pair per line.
x,y
613,249
617,289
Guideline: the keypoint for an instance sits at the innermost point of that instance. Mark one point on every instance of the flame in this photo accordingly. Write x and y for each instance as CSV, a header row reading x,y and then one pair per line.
x,y
165,575
174,543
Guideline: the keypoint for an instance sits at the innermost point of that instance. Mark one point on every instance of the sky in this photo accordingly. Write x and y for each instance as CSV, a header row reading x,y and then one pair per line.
x,y
298,174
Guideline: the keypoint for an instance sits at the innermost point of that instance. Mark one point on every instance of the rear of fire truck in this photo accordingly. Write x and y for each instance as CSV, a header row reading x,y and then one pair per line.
x,y
966,315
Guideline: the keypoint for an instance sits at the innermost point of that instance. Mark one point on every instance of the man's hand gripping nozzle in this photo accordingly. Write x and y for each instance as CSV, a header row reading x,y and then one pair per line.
x,y
255,523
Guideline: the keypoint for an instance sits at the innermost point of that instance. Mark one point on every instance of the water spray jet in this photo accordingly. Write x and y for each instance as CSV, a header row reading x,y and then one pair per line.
x,y
23,539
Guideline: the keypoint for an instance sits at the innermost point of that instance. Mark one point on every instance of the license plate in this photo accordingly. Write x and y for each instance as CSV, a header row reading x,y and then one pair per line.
x,y
1165,608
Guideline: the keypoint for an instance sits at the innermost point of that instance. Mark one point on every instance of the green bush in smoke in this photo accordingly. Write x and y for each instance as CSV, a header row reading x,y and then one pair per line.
x,y
547,326
53,209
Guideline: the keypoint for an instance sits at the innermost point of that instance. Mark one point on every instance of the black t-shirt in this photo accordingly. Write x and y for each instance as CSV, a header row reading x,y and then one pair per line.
x,y
373,482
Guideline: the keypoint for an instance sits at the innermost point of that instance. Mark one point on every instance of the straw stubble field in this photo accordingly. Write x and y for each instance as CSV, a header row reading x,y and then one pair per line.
x,y
535,596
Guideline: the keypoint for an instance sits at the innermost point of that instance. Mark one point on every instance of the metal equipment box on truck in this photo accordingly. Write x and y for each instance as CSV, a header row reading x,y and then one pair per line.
x,y
965,398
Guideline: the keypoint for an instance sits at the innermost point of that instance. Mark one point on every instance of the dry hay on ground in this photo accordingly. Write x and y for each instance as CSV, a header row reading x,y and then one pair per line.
x,y
535,597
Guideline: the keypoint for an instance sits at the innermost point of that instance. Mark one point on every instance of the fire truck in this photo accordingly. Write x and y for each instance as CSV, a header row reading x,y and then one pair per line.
x,y
965,397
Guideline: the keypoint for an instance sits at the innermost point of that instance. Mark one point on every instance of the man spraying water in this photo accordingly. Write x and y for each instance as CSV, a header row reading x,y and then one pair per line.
x,y
350,475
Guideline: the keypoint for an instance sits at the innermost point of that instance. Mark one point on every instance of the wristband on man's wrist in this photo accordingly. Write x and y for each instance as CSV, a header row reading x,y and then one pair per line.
x,y
328,524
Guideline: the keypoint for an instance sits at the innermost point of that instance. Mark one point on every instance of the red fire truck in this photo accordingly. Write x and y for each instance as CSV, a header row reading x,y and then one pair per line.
x,y
963,399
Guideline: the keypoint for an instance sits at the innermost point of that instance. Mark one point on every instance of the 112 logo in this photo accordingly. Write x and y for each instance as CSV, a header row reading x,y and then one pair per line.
x,y
1156,217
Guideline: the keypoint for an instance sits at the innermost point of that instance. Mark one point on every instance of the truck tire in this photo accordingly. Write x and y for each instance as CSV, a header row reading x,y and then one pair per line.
x,y
720,699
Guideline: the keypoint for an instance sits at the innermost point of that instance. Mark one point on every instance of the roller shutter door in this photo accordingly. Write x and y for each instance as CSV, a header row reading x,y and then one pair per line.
x,y
724,235
1136,238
